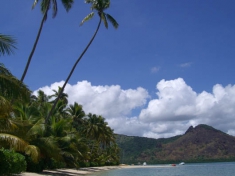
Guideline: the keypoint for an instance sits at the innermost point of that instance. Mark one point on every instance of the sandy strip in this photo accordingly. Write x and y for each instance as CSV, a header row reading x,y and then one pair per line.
x,y
146,166
86,171
70,172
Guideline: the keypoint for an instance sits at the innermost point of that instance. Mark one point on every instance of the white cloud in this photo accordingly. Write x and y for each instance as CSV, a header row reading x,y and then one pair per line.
x,y
175,102
109,101
187,64
155,69
176,107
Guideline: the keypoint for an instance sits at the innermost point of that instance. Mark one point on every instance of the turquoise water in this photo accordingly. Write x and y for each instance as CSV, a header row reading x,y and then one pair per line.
x,y
205,169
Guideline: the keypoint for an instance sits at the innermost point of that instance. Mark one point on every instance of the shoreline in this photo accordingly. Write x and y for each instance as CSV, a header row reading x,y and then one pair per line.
x,y
86,170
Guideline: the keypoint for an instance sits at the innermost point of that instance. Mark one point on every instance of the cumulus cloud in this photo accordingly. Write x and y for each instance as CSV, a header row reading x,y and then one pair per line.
x,y
175,107
175,102
109,101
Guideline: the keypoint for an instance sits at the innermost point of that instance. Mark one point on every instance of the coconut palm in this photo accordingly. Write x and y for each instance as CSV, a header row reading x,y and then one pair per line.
x,y
63,97
77,114
45,6
100,6
41,97
7,44
13,135
11,87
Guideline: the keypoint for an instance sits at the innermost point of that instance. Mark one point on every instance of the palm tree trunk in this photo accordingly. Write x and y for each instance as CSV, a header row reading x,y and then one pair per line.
x,y
71,72
34,46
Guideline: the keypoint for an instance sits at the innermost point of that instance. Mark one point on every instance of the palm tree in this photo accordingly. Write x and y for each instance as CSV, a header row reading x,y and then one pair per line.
x,y
11,87
41,97
45,6
77,113
63,97
7,44
99,6
13,134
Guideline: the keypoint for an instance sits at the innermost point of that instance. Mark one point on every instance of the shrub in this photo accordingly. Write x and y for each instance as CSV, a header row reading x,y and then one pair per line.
x,y
101,163
32,166
113,163
53,164
84,164
11,162
94,164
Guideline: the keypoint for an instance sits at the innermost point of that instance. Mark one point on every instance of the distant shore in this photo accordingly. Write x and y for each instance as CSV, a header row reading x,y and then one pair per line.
x,y
85,171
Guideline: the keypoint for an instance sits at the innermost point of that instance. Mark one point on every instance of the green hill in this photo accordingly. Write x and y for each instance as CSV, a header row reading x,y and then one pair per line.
x,y
200,144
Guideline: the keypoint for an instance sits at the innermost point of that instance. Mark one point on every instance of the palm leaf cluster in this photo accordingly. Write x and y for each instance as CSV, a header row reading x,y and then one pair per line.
x,y
100,6
71,136
7,44
46,127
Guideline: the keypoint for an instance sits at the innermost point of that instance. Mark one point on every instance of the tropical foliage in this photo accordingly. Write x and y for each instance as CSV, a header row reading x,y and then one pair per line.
x,y
7,44
47,130
45,7
99,6
71,137
11,162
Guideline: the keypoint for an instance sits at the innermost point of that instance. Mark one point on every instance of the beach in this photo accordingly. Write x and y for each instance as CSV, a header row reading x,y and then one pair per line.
x,y
85,171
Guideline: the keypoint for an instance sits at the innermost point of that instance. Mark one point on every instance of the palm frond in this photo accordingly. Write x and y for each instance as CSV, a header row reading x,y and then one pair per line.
x,y
88,17
112,20
38,129
14,142
7,44
98,5
89,1
45,6
105,4
55,9
11,87
7,125
67,4
33,151
103,17
49,146
34,4
5,107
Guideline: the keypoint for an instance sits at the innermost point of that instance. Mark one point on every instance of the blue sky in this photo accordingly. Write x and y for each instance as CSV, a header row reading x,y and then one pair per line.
x,y
169,65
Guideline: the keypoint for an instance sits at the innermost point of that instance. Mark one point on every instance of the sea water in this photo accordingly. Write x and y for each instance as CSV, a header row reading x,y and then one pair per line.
x,y
203,169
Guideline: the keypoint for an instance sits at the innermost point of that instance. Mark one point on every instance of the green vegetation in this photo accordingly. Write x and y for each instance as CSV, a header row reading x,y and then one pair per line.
x,y
7,44
45,132
200,144
70,139
45,6
100,6
133,147
11,162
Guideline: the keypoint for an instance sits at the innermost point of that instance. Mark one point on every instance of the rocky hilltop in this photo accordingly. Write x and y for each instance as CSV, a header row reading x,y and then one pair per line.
x,y
199,144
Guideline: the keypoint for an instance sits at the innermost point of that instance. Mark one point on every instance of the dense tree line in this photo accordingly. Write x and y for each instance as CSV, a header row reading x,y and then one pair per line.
x,y
47,130
71,137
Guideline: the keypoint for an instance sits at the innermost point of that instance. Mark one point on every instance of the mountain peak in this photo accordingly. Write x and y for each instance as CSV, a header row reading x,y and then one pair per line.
x,y
199,127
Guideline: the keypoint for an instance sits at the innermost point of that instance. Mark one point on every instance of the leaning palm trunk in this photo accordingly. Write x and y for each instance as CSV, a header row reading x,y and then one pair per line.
x,y
71,72
34,46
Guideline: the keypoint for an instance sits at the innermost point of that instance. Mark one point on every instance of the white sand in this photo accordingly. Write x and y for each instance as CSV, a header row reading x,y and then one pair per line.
x,y
71,172
85,171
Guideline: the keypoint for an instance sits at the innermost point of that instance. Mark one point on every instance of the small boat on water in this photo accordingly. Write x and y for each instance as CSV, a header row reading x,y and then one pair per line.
x,y
182,163
144,163
173,164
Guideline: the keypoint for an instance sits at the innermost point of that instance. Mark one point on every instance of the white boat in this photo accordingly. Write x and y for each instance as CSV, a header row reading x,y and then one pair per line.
x,y
182,163
144,164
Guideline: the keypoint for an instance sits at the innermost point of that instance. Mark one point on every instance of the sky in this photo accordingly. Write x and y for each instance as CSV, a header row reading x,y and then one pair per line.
x,y
169,65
